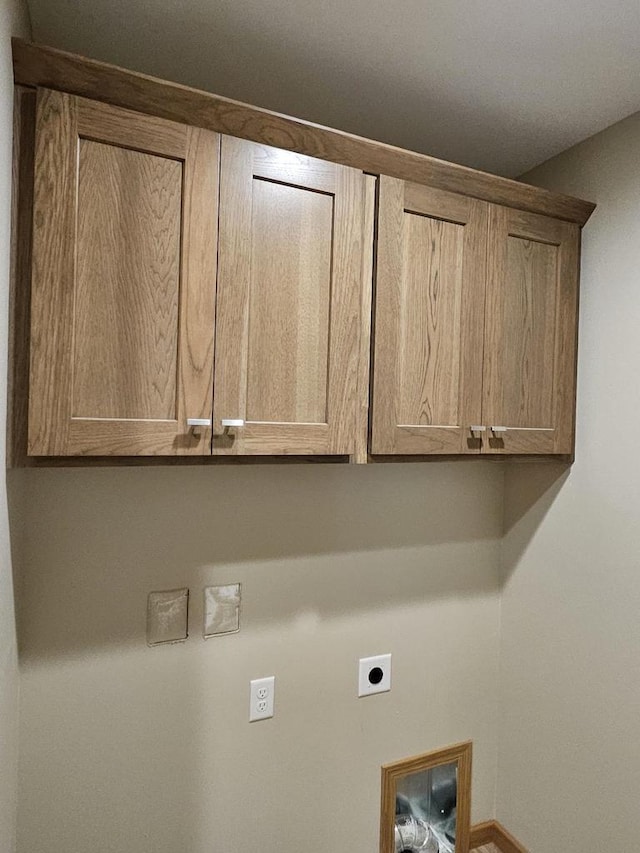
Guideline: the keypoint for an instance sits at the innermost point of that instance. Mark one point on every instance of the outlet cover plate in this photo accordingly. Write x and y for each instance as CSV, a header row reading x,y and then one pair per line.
x,y
374,675
261,702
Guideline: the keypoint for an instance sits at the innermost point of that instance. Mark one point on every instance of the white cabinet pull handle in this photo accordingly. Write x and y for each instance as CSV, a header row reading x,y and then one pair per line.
x,y
229,423
477,428
198,422
498,429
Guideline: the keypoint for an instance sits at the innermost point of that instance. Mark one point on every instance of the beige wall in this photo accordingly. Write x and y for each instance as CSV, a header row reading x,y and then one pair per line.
x,y
13,21
569,778
127,748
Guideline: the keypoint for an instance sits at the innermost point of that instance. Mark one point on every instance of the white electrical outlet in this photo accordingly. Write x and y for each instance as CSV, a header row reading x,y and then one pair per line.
x,y
374,675
263,691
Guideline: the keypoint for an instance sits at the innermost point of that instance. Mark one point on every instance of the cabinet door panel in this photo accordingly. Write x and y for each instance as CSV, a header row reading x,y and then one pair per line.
x,y
531,322
288,302
123,291
429,320
129,231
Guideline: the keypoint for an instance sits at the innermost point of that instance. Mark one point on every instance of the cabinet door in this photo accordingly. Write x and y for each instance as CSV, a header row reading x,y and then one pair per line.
x,y
530,349
123,290
429,317
288,300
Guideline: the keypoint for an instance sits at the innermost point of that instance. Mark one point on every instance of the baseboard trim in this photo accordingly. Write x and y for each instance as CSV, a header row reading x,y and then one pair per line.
x,y
493,832
482,833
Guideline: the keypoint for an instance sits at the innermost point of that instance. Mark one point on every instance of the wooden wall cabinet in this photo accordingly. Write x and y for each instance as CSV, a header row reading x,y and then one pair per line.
x,y
475,326
194,277
126,347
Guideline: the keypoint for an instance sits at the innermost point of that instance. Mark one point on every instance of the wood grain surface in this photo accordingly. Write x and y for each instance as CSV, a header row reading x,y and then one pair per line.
x,y
429,320
52,283
128,129
505,841
531,327
123,289
37,65
482,836
24,115
199,250
360,456
492,837
122,319
127,284
289,301
289,284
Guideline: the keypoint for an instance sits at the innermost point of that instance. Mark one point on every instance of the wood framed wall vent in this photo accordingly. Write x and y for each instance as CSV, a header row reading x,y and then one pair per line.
x,y
425,802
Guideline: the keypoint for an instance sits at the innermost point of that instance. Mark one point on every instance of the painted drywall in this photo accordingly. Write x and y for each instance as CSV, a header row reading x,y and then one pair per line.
x,y
13,21
569,777
126,747
494,84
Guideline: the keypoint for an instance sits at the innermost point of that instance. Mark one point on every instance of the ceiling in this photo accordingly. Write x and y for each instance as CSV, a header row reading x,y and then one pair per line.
x,y
497,84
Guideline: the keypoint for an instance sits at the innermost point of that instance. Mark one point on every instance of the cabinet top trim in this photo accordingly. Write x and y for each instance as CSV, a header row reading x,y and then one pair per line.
x,y
38,65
